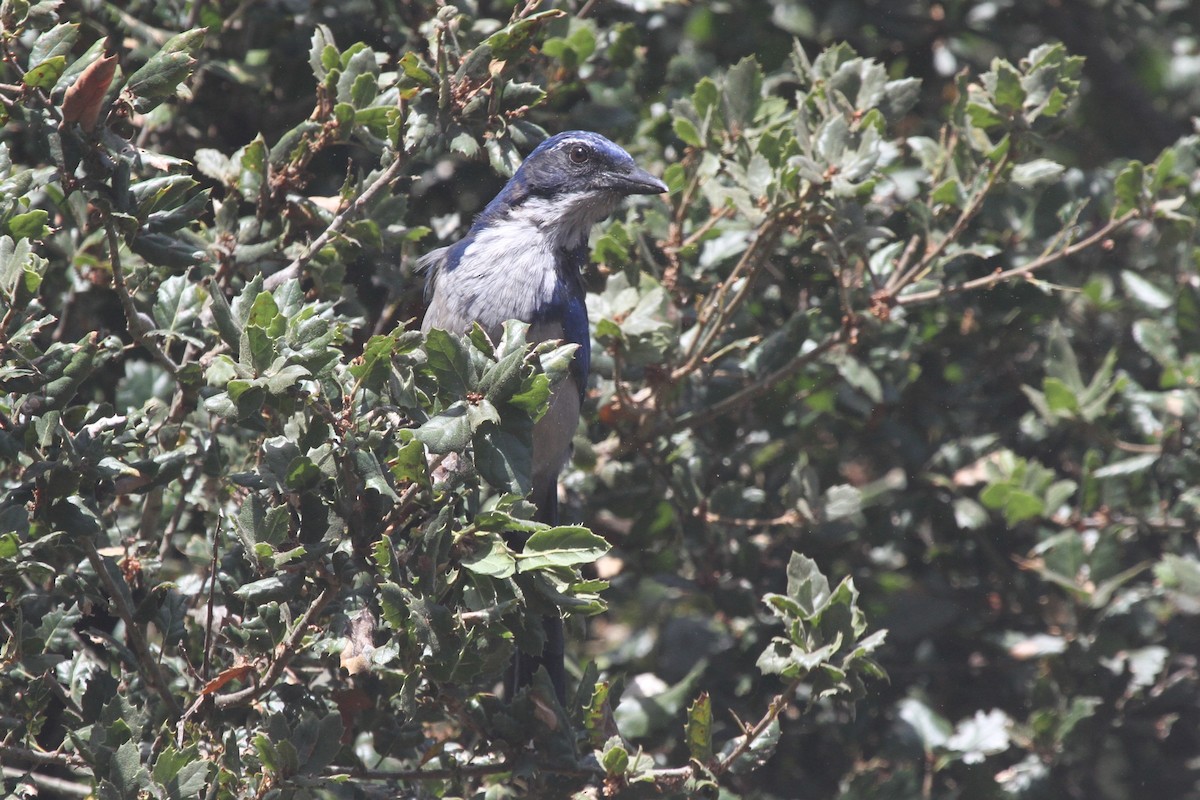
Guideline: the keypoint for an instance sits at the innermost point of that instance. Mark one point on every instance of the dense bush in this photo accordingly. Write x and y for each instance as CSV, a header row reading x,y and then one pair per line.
x,y
887,487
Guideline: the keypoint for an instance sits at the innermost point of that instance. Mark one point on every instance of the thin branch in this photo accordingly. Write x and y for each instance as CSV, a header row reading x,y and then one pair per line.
x,y
987,281
60,785
749,392
205,671
133,318
789,518
778,704
41,757
421,774
148,666
587,9
720,311
450,773
292,270
902,279
287,650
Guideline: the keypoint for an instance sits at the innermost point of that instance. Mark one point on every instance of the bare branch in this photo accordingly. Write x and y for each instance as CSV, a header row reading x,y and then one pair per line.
x,y
138,328
61,786
286,651
749,392
778,704
1024,271
148,665
382,181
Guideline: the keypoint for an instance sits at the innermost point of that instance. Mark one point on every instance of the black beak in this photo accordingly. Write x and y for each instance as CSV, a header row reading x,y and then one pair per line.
x,y
638,181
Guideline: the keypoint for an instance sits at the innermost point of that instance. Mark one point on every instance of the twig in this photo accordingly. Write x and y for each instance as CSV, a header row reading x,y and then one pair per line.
x,y
206,659
789,518
287,650
449,773
587,9
164,544
717,309
41,757
148,666
137,328
351,211
778,704
902,279
50,783
696,418
1023,271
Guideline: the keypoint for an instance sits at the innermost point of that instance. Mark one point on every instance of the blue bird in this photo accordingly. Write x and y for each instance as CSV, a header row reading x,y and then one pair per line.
x,y
521,260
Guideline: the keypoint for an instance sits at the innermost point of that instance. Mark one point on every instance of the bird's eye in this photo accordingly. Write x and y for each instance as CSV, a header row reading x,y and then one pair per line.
x,y
580,153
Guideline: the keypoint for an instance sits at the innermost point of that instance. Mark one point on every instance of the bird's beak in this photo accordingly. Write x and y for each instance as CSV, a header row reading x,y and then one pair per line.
x,y
638,181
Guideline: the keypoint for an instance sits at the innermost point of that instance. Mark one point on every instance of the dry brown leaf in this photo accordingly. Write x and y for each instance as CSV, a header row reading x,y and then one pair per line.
x,y
82,101
234,673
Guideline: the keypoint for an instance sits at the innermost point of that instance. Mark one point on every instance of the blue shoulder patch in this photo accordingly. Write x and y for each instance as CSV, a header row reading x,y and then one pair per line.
x,y
575,328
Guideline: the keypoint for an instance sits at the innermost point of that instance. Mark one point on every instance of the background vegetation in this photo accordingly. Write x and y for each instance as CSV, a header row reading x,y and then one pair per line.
x,y
909,347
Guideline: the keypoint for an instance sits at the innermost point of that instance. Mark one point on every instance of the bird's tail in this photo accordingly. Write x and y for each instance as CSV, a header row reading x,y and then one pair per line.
x,y
553,656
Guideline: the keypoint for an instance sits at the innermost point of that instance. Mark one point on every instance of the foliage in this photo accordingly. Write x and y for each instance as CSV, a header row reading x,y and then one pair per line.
x,y
894,323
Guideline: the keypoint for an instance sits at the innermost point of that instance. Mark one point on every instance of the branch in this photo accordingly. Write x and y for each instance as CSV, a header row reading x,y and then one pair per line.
x,y
351,211
50,783
746,268
749,392
148,666
450,773
1024,271
287,650
133,318
41,757
902,279
778,704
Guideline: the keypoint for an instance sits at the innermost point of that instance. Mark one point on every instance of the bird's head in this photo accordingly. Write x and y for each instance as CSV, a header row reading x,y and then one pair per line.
x,y
570,182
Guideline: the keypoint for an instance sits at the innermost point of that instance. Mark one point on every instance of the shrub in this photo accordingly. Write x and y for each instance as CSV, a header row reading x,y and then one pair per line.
x,y
894,331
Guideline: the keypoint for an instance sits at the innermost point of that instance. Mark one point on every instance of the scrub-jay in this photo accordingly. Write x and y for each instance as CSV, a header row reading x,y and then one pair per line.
x,y
521,260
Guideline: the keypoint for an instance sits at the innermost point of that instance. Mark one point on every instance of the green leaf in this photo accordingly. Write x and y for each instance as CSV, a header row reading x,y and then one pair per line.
x,y
515,38
1059,397
30,225
46,74
177,305
277,588
563,546
490,556
742,91
686,130
698,730
318,742
159,77
1036,172
806,585
450,362
410,64
1006,87
322,39
127,772
447,432
58,41
931,728
10,545
267,754
373,476
614,758
504,460
1128,187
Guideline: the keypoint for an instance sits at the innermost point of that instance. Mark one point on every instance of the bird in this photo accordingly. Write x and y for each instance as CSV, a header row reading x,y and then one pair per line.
x,y
522,260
